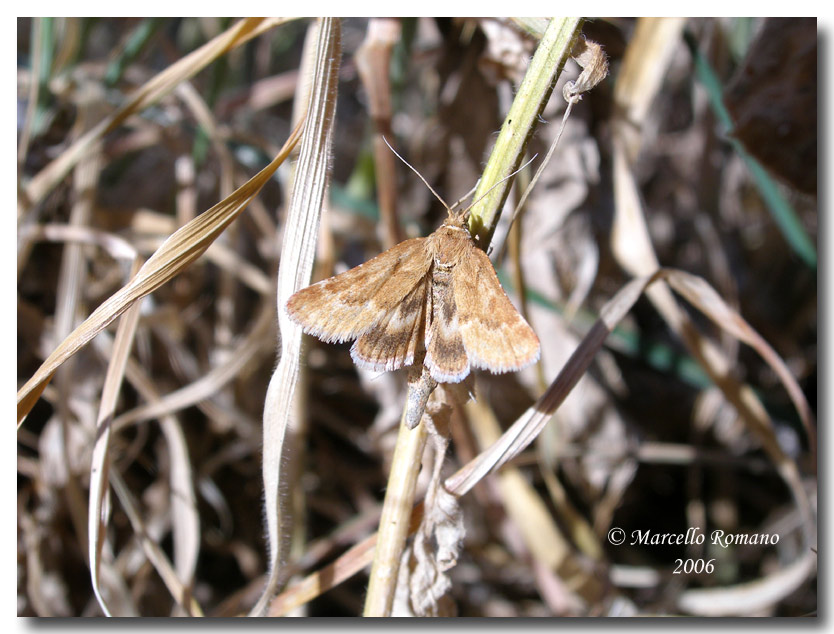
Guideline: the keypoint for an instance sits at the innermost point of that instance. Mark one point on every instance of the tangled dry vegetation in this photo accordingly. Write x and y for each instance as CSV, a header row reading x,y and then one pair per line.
x,y
145,460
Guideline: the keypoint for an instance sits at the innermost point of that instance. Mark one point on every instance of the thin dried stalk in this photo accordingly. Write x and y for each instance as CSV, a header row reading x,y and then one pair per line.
x,y
204,116
644,65
347,565
521,434
183,502
100,464
393,524
70,279
373,61
543,537
153,550
115,246
223,304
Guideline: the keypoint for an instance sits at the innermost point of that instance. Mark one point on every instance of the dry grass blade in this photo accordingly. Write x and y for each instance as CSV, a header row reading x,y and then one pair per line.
x,y
700,294
100,464
525,429
164,82
703,297
85,179
69,292
373,62
226,259
106,580
178,252
638,81
117,247
297,253
644,66
203,115
182,509
636,255
347,565
184,515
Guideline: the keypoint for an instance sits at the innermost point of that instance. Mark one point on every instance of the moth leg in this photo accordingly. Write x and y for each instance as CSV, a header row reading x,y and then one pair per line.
x,y
420,387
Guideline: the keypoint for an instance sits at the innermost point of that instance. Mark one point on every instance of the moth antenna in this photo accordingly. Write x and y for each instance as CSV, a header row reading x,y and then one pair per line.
x,y
413,169
468,194
486,193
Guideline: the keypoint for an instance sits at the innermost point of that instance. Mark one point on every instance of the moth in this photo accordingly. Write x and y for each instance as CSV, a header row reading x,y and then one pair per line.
x,y
433,302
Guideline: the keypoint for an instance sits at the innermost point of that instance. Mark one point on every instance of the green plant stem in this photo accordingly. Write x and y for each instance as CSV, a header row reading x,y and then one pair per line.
x,y
520,123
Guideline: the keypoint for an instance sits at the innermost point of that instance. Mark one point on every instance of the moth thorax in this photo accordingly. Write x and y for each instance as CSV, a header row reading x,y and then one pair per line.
x,y
449,243
443,263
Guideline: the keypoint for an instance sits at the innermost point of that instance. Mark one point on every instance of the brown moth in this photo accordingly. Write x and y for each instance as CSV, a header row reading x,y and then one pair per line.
x,y
435,300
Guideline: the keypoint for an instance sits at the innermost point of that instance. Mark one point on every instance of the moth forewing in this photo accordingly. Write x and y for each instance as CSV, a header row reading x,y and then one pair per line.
x,y
496,337
397,338
350,304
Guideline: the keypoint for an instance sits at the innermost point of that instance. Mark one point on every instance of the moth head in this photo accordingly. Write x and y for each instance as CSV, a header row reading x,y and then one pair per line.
x,y
458,216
